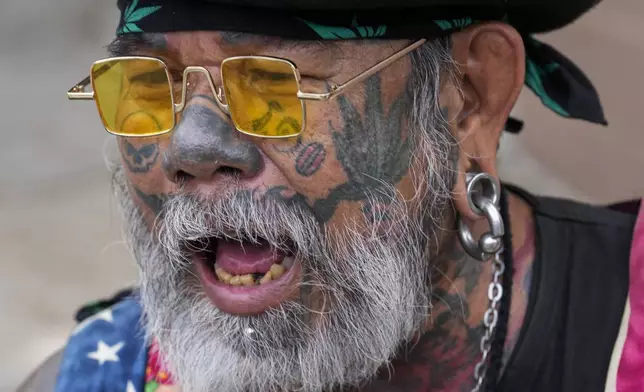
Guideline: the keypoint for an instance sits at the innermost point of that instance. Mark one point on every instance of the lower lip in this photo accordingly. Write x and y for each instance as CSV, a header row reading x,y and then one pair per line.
x,y
247,300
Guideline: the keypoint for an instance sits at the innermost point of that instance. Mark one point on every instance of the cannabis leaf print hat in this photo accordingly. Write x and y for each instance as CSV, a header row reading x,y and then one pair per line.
x,y
559,84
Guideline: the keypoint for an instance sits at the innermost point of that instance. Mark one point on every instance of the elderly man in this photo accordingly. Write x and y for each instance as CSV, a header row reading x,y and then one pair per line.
x,y
311,193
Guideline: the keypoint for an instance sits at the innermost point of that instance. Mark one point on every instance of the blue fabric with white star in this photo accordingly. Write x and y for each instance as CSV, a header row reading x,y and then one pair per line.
x,y
107,352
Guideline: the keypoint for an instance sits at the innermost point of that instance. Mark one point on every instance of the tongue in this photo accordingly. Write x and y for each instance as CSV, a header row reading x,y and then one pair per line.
x,y
245,258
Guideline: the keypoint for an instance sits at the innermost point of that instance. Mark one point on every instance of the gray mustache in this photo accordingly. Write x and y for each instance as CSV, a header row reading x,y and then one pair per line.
x,y
283,223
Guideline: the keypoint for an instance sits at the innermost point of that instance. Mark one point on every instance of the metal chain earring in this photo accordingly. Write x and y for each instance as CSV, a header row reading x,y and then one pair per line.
x,y
483,194
483,197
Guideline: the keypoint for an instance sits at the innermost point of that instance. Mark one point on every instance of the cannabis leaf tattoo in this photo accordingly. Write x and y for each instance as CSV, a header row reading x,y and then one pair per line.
x,y
372,150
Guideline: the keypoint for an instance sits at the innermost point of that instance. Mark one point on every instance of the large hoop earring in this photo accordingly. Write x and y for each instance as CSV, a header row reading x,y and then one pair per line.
x,y
483,195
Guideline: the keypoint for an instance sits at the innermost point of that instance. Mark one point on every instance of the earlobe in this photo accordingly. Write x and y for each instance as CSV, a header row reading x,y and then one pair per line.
x,y
469,165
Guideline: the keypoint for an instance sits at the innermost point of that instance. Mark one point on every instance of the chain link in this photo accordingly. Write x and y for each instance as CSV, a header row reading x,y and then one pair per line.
x,y
491,317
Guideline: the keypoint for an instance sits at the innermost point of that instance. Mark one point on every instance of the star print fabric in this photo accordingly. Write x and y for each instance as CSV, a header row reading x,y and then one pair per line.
x,y
107,352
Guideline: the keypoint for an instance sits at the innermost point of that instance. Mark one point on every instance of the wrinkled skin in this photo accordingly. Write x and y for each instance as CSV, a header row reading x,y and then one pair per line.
x,y
332,165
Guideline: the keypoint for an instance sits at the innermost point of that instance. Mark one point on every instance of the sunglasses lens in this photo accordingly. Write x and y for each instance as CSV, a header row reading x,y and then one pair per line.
x,y
262,96
133,96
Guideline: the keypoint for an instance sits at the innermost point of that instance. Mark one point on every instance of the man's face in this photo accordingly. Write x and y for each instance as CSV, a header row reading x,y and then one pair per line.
x,y
302,262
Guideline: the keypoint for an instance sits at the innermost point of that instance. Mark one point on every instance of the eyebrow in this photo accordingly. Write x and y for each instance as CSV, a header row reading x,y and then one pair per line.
x,y
133,44
238,38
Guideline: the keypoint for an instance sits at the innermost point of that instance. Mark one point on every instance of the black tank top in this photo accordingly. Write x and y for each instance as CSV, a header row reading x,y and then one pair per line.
x,y
577,300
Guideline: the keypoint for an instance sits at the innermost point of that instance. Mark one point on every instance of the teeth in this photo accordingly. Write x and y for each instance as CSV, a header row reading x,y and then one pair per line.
x,y
223,275
235,280
277,270
266,278
247,280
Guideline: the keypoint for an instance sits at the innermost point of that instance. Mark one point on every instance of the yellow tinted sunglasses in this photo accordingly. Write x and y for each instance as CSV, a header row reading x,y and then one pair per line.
x,y
135,96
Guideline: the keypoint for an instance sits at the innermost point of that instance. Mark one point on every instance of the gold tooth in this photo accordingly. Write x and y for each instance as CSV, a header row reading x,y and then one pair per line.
x,y
247,280
277,270
235,280
266,278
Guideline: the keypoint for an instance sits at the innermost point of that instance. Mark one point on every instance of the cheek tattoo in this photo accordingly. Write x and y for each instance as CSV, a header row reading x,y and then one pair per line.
x,y
140,159
309,159
153,201
372,150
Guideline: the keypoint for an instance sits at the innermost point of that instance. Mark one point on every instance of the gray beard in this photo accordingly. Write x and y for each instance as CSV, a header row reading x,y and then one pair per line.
x,y
371,284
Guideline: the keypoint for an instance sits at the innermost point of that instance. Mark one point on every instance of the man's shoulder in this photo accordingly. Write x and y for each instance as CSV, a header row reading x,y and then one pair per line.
x,y
43,379
586,214
620,216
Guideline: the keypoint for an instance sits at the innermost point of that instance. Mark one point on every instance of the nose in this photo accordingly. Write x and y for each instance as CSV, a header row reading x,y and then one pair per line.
x,y
204,145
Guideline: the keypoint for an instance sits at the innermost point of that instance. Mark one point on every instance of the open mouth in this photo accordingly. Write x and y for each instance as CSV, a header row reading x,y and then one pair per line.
x,y
245,277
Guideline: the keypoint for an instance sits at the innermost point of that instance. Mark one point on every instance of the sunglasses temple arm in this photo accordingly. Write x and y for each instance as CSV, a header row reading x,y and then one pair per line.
x,y
78,91
337,89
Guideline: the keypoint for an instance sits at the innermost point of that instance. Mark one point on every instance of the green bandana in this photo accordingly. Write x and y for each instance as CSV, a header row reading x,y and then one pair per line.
x,y
559,84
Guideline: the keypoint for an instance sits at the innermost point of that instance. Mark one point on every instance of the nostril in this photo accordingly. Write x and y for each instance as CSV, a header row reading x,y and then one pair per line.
x,y
229,171
183,177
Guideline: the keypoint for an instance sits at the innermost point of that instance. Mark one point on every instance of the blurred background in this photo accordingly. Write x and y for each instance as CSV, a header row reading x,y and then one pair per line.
x,y
60,239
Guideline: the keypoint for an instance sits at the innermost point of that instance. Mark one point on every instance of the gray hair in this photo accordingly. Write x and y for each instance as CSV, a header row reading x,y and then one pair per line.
x,y
435,146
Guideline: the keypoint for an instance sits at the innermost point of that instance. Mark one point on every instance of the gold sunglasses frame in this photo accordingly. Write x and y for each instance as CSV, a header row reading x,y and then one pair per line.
x,y
78,92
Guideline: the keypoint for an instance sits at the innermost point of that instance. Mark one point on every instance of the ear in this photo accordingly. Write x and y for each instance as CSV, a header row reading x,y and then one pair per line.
x,y
491,62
